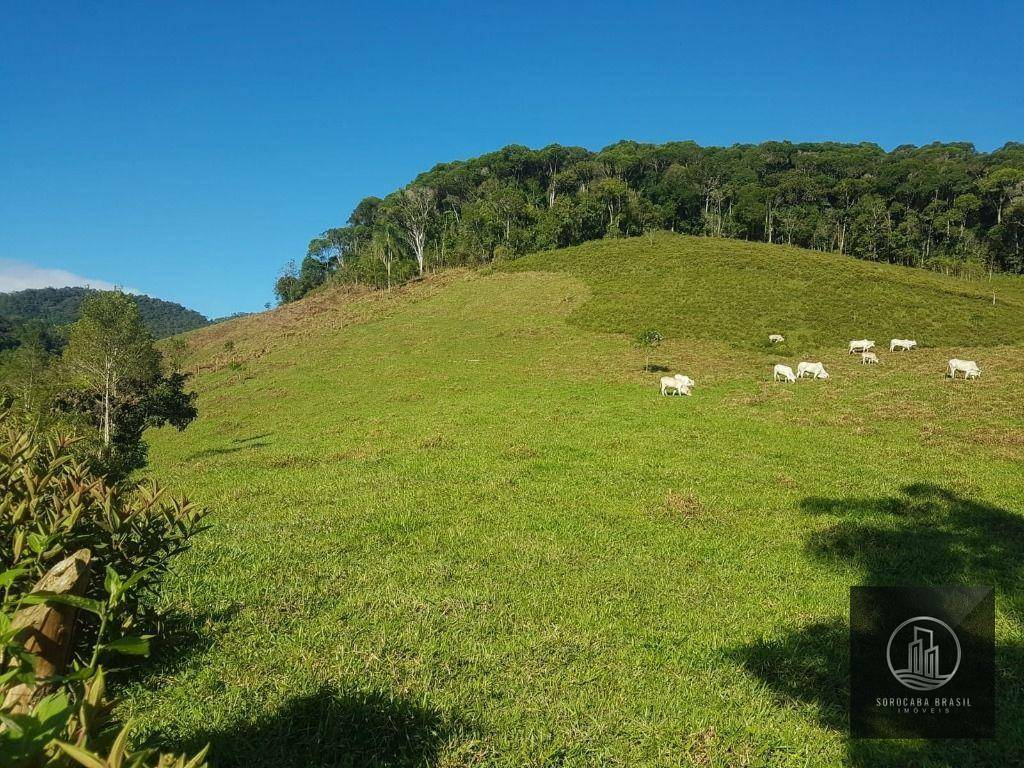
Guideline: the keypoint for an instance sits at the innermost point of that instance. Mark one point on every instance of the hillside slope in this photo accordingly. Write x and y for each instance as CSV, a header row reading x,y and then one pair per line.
x,y
739,292
455,525
59,306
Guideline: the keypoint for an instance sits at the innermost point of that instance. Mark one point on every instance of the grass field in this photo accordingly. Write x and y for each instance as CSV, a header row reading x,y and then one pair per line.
x,y
457,525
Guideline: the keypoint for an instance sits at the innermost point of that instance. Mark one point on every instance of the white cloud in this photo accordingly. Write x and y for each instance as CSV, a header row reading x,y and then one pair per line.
x,y
17,276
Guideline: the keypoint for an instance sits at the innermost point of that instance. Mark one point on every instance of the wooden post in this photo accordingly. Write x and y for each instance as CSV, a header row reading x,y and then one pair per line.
x,y
47,631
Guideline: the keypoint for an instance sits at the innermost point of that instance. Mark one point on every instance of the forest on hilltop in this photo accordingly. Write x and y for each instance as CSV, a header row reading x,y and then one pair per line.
x,y
60,306
945,207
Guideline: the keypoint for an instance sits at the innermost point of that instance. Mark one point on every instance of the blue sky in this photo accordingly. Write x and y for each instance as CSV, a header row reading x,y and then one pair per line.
x,y
187,150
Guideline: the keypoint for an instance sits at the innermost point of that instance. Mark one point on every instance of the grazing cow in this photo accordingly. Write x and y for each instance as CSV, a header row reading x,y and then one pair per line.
x,y
686,381
783,371
869,357
814,370
671,382
861,345
776,338
905,344
968,368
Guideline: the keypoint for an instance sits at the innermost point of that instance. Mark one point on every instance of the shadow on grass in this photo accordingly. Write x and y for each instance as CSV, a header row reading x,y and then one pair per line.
x,y
809,666
926,535
179,638
209,452
332,728
251,438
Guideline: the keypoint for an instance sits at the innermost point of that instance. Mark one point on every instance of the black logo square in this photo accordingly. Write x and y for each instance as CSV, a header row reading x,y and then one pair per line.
x,y
922,662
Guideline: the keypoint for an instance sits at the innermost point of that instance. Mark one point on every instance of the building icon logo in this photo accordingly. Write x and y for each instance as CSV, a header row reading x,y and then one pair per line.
x,y
923,653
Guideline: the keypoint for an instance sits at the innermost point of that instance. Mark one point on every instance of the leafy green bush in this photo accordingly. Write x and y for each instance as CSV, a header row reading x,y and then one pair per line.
x,y
648,340
51,507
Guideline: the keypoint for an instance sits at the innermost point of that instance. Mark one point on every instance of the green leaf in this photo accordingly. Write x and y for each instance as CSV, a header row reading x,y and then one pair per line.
x,y
26,676
133,645
81,756
114,585
11,575
196,761
13,723
38,543
54,707
48,598
135,577
118,750
84,673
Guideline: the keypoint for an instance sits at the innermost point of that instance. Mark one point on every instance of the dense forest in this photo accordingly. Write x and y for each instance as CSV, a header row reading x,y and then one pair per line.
x,y
945,207
60,306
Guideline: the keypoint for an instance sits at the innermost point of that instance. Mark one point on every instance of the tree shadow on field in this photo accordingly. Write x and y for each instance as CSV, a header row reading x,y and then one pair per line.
x,y
252,438
808,665
925,535
331,728
178,638
210,452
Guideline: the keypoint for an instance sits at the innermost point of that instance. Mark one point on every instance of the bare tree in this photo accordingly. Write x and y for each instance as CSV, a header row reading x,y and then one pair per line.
x,y
385,252
415,209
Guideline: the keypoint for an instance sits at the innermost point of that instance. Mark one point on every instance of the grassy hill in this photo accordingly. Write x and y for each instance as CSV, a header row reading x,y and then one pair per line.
x,y
735,291
59,306
457,525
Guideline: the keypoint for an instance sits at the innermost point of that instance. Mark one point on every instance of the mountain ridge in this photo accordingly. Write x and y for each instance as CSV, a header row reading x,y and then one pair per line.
x,y
59,306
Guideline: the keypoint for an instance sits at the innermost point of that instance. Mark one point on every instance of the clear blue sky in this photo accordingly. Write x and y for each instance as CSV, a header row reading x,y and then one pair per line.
x,y
188,150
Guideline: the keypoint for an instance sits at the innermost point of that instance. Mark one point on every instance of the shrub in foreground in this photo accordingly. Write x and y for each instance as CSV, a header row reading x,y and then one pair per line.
x,y
108,547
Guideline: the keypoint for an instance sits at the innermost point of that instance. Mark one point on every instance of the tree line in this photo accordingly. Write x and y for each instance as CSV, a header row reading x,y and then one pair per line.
x,y
945,207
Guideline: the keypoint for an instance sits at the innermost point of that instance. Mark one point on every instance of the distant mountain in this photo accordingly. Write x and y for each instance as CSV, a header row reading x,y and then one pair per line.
x,y
59,306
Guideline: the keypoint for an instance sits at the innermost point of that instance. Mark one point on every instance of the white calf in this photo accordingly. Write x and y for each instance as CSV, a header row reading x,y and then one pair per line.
x,y
671,382
968,368
868,357
861,345
783,371
686,381
814,370
776,338
905,344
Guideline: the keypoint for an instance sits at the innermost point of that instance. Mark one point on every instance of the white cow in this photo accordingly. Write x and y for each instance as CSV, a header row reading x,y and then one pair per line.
x,y
814,370
686,381
671,382
783,371
905,344
776,338
869,357
861,345
968,368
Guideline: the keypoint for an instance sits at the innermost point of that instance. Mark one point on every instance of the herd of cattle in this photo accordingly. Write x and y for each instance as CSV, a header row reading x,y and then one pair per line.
x,y
683,385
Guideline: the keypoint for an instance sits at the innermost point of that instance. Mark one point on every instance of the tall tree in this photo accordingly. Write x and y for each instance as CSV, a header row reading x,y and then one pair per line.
x,y
415,208
384,249
115,386
1004,185
109,350
27,374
